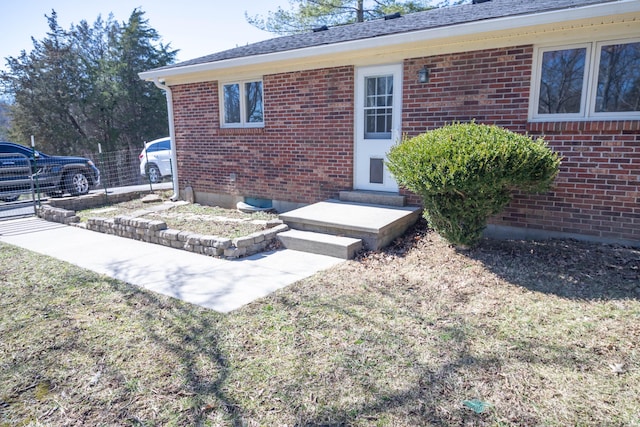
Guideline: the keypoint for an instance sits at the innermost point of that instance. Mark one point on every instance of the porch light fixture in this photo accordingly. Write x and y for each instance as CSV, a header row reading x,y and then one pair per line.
x,y
423,74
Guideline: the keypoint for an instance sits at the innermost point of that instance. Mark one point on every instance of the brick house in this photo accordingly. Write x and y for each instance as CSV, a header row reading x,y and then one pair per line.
x,y
297,119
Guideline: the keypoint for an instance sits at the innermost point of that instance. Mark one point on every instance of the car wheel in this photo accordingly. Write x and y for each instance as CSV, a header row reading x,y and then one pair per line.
x,y
154,174
11,198
77,183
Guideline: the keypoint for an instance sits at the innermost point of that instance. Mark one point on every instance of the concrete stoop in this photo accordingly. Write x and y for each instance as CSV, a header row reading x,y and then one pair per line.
x,y
334,227
373,198
321,244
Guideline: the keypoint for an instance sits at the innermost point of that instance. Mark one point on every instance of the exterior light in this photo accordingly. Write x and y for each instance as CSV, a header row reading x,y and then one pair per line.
x,y
423,75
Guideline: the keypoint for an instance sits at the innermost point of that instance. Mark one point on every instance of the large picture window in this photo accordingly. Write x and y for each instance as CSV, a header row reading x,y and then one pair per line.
x,y
618,87
590,80
242,104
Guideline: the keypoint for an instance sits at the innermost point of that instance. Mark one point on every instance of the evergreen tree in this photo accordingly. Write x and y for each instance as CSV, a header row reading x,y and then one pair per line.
x,y
42,83
141,103
5,120
80,87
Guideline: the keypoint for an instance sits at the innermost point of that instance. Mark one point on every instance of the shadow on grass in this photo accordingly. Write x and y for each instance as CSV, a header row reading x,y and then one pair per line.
x,y
204,366
435,394
376,331
566,268
370,352
82,349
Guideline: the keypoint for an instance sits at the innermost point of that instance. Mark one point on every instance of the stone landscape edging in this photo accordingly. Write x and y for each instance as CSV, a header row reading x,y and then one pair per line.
x,y
154,231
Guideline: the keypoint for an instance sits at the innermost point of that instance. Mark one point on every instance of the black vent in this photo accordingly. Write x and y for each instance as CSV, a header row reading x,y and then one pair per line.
x,y
318,29
392,16
479,1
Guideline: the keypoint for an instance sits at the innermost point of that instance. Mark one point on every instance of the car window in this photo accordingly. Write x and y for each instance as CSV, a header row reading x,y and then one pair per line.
x,y
158,146
15,149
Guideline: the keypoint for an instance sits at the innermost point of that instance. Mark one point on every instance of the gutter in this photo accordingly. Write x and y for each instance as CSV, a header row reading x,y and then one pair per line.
x,y
172,135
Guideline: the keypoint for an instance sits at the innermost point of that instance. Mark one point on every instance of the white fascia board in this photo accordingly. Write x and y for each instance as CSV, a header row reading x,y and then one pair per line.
x,y
467,29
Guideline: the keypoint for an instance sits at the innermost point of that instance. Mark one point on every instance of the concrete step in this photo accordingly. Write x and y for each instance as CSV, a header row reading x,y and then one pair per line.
x,y
321,244
375,225
373,198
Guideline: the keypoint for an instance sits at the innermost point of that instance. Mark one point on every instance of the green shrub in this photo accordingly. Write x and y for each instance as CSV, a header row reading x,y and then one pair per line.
x,y
466,173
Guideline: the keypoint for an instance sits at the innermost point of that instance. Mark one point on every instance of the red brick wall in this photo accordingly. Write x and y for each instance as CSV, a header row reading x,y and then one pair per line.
x,y
597,191
487,85
303,154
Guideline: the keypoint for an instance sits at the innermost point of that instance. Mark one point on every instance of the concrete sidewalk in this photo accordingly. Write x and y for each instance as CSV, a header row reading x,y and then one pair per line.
x,y
218,284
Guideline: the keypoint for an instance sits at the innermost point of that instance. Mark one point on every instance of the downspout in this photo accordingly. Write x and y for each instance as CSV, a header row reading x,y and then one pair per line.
x,y
172,135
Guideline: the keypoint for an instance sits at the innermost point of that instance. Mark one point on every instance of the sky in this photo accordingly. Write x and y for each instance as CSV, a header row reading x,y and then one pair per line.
x,y
195,27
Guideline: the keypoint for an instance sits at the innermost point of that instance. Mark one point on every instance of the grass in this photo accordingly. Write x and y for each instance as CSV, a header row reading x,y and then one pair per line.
x,y
194,218
545,333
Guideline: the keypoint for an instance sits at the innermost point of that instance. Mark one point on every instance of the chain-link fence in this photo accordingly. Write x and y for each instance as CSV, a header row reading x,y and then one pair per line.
x,y
28,176
130,167
119,168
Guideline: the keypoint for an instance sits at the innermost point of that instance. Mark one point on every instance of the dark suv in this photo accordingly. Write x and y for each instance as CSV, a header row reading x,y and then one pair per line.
x,y
54,175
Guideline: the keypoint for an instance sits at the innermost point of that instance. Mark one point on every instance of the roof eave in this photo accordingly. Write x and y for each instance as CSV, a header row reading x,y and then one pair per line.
x,y
459,30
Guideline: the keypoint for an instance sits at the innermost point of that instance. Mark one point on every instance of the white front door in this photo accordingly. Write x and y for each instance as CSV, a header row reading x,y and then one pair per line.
x,y
378,116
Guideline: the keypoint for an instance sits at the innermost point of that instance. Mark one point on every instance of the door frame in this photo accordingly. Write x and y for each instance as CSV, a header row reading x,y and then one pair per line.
x,y
365,149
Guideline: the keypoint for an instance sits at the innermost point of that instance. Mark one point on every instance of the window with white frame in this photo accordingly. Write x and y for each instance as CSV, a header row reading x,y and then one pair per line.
x,y
242,104
587,81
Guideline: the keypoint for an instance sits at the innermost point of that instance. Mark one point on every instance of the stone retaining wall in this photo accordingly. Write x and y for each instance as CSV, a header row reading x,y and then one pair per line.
x,y
153,231
60,215
93,200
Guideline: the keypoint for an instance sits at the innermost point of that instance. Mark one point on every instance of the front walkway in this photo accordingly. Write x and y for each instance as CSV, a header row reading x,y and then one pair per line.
x,y
218,284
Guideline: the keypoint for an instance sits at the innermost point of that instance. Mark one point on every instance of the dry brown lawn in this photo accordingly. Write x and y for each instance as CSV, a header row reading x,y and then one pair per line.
x,y
510,333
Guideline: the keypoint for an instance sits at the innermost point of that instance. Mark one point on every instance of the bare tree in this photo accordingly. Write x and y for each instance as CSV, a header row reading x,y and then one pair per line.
x,y
305,15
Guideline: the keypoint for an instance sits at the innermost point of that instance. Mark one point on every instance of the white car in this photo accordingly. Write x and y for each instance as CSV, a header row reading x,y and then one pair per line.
x,y
155,160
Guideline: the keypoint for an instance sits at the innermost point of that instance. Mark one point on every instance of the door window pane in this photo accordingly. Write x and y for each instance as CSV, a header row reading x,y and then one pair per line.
x,y
378,109
618,78
561,81
371,91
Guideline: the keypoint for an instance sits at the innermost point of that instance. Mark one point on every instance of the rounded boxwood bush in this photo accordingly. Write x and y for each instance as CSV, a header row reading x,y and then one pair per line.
x,y
466,173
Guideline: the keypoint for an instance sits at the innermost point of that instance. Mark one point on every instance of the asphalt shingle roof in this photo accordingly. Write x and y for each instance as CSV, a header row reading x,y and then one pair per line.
x,y
434,18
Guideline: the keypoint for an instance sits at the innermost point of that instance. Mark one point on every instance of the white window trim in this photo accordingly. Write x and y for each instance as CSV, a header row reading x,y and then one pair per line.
x,y
589,88
243,123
